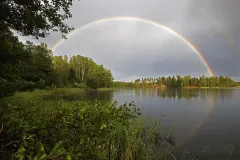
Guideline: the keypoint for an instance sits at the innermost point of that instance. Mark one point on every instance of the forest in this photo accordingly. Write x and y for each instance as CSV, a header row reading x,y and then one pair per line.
x,y
180,82
29,66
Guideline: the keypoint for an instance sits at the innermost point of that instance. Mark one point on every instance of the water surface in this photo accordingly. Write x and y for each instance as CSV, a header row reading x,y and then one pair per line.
x,y
200,117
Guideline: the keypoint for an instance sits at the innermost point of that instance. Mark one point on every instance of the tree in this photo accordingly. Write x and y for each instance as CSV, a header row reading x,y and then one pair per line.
x,y
169,81
179,81
99,77
203,82
39,66
35,17
174,82
29,18
163,81
23,66
71,75
81,70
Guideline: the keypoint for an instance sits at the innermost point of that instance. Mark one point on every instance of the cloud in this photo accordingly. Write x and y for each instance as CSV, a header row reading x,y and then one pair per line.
x,y
132,49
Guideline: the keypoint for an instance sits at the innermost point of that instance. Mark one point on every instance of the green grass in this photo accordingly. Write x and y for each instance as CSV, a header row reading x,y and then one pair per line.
x,y
68,90
105,89
34,127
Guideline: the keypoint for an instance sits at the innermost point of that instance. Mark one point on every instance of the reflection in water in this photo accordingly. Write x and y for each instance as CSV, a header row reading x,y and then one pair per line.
x,y
200,116
88,95
184,93
198,126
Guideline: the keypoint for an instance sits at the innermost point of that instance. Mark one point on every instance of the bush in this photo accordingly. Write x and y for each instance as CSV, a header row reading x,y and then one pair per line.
x,y
79,85
81,130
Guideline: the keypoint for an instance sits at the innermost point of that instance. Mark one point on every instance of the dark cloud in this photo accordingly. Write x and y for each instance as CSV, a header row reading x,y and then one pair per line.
x,y
133,49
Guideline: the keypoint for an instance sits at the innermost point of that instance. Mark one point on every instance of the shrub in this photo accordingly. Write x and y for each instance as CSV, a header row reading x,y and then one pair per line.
x,y
81,130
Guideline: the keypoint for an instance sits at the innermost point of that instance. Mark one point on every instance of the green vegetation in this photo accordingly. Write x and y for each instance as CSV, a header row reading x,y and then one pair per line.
x,y
180,82
35,17
34,128
31,66
104,89
28,66
238,84
80,72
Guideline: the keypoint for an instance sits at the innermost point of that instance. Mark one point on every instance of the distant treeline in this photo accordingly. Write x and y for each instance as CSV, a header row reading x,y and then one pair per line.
x,y
179,82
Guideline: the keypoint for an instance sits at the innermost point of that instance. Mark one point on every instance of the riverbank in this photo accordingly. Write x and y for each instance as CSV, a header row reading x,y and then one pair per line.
x,y
105,89
184,87
212,87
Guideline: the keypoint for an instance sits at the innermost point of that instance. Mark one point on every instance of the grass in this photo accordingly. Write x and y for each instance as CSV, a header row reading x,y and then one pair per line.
x,y
55,129
68,90
105,89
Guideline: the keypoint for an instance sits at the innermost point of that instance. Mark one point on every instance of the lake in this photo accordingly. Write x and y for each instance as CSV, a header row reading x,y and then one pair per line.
x,y
200,117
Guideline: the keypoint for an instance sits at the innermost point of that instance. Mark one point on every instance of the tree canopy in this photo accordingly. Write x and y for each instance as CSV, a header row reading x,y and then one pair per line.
x,y
80,70
35,17
26,66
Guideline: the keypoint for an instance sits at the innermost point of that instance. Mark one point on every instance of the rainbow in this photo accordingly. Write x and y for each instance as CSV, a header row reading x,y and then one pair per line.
x,y
187,42
198,126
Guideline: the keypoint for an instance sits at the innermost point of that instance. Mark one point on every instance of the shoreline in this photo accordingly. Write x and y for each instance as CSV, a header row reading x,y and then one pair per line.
x,y
183,87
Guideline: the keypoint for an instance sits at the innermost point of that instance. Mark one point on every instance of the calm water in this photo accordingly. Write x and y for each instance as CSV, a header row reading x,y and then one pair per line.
x,y
206,117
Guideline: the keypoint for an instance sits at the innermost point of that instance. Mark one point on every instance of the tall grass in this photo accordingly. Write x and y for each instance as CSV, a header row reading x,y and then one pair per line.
x,y
57,129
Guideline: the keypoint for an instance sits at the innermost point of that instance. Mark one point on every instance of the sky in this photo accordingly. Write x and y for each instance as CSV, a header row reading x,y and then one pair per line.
x,y
133,49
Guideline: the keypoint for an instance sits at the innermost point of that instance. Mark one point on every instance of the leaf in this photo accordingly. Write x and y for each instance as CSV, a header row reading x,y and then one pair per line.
x,y
81,141
41,153
68,157
103,126
83,110
42,157
20,153
57,150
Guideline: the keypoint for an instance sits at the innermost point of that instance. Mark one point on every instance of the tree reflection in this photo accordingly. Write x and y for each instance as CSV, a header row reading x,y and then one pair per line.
x,y
185,93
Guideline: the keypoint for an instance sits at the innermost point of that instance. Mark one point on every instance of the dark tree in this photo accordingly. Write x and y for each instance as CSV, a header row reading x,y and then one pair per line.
x,y
71,75
35,17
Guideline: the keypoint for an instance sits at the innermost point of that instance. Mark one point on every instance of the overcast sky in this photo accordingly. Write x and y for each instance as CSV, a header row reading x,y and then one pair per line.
x,y
134,49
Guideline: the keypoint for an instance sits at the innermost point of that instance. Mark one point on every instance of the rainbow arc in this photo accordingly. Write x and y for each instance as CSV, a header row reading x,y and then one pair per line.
x,y
109,19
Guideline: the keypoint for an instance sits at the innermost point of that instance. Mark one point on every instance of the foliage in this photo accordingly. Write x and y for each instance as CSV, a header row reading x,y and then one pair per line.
x,y
23,66
35,17
238,84
81,85
40,64
71,75
33,127
178,82
28,66
80,72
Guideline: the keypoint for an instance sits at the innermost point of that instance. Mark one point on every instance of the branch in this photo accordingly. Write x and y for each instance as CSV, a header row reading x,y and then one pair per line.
x,y
10,144
1,128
